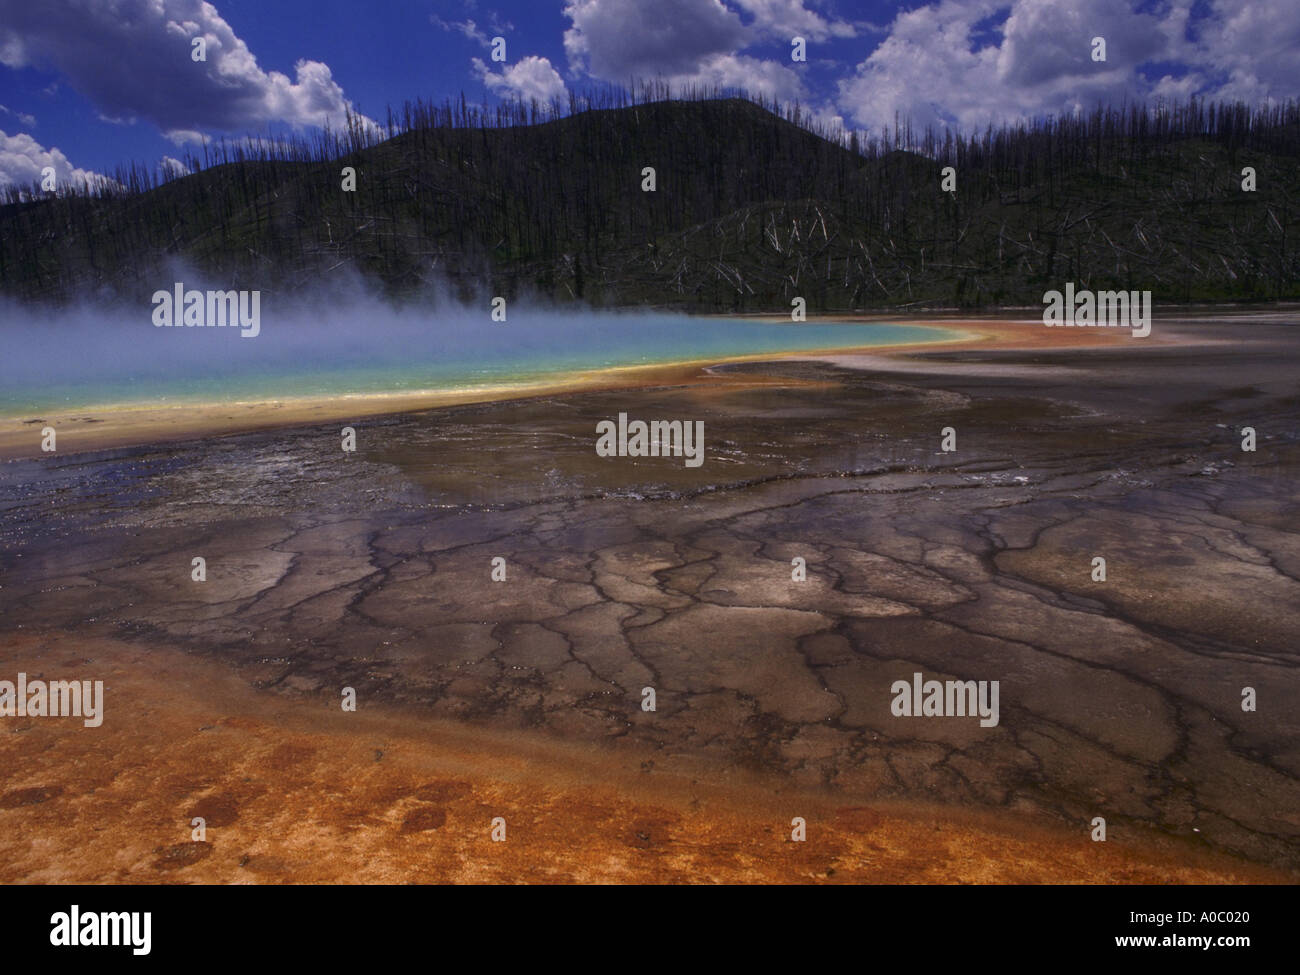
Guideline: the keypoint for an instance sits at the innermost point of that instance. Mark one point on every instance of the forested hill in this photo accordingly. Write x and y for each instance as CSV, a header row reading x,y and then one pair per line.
x,y
749,210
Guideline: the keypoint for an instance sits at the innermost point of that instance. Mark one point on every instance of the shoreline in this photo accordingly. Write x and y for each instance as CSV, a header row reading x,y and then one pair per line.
x,y
99,428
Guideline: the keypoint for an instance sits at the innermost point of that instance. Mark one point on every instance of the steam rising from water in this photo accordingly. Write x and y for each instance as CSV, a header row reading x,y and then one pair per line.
x,y
347,340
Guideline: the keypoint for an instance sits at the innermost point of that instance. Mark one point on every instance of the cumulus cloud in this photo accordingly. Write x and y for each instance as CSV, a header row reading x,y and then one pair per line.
x,y
622,39
180,137
755,75
932,68
531,77
972,62
923,68
173,167
1048,43
792,18
1252,49
685,42
22,159
132,58
692,41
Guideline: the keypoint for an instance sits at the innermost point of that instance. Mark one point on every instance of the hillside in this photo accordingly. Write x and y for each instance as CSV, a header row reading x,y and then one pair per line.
x,y
750,210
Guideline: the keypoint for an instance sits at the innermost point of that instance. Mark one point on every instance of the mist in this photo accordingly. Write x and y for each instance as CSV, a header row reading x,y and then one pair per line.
x,y
343,339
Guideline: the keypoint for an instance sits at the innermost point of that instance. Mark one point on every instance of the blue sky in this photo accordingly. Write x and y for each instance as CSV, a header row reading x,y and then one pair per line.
x,y
88,84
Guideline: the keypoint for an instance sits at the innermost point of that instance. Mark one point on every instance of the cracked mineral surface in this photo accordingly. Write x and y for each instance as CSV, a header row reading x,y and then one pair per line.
x,y
1119,698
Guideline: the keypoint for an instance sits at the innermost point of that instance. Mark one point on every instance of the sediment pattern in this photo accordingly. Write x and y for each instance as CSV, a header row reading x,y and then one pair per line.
x,y
1119,698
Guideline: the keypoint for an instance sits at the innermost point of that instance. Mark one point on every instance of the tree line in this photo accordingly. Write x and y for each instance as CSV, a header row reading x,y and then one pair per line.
x,y
754,202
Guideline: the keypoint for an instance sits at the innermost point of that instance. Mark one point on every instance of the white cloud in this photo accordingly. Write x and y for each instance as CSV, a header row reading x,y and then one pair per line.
x,y
173,167
932,68
1253,46
1049,41
471,29
755,75
790,18
924,67
23,117
684,42
22,158
530,77
622,39
180,137
466,27
132,58
1039,61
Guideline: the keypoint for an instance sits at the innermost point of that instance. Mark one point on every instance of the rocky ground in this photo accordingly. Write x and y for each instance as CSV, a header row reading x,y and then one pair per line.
x,y
1119,698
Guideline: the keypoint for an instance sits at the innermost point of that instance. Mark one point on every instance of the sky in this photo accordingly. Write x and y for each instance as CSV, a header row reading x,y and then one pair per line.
x,y
86,85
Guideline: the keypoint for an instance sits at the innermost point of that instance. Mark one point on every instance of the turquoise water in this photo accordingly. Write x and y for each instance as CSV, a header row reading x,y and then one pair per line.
x,y
121,363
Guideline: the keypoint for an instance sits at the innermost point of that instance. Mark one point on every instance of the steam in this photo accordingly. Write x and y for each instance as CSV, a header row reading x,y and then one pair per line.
x,y
345,337
340,339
